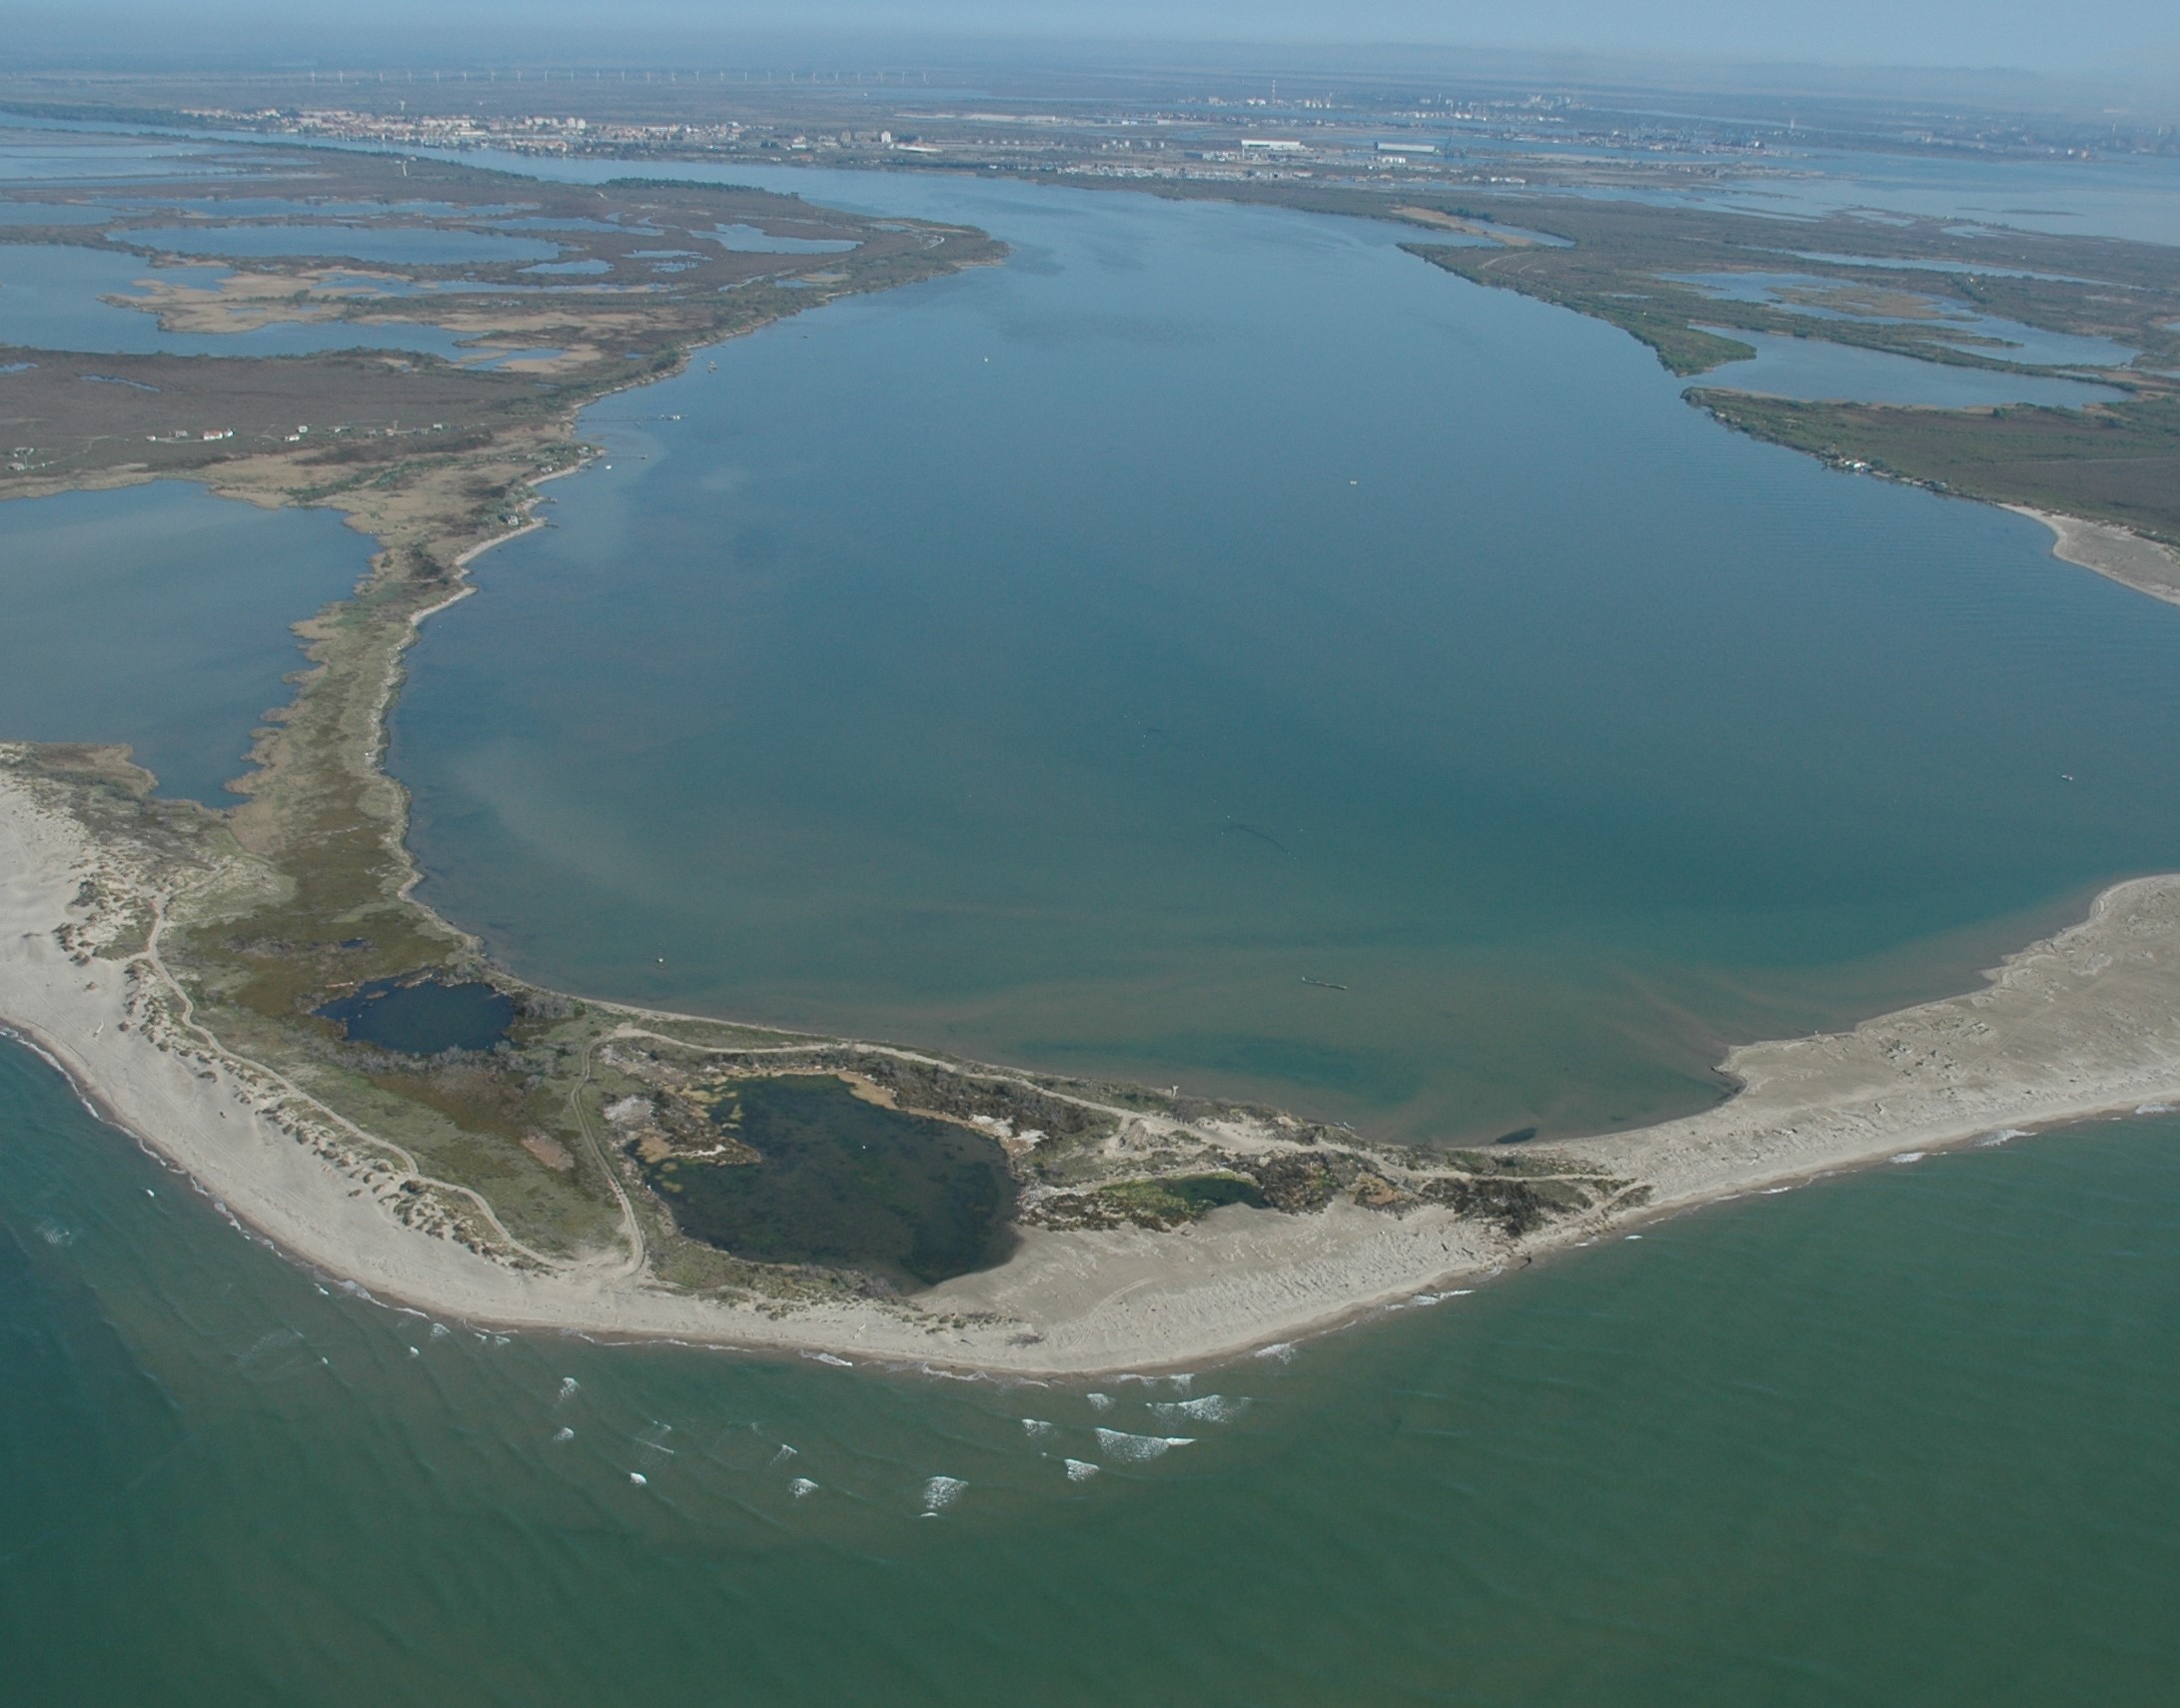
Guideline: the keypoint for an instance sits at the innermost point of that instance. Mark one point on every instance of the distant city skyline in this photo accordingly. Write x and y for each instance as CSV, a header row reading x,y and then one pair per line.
x,y
2134,39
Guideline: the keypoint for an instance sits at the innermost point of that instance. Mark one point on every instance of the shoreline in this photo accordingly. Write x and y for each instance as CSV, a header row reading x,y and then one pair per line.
x,y
2107,549
2080,1024
2074,1025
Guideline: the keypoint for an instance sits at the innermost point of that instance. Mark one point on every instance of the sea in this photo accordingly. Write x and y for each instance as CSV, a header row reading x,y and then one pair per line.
x,y
1215,649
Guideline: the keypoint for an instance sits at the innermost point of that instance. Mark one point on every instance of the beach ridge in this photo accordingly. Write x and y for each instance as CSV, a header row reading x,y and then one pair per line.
x,y
2081,1024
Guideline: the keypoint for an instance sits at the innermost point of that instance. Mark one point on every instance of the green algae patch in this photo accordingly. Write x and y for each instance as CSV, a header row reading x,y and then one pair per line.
x,y
843,1183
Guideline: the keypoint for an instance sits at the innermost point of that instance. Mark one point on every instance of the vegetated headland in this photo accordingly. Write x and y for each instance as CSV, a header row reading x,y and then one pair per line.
x,y
257,995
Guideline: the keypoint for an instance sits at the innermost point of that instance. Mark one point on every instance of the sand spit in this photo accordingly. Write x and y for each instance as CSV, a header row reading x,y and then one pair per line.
x,y
2111,552
2084,1023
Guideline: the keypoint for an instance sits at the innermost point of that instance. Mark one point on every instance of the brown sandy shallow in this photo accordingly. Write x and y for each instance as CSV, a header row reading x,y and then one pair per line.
x,y
2084,1023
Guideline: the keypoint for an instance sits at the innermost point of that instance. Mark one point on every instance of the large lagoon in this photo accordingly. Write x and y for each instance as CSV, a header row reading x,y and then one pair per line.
x,y
1090,662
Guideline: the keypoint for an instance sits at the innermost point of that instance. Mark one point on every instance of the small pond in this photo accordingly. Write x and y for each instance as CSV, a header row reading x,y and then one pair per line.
x,y
847,1184
422,1019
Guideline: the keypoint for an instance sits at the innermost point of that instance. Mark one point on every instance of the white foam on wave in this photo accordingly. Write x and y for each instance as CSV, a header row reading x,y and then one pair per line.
x,y
53,1234
2003,1135
1135,1450
439,1330
568,1384
1100,1401
2154,1108
1036,1429
1182,1380
1080,1470
1208,1408
564,1433
829,1358
1283,1350
941,1493
802,1488
784,1454
1906,1156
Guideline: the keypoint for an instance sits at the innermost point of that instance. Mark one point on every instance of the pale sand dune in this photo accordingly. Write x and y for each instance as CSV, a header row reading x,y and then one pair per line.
x,y
2085,1022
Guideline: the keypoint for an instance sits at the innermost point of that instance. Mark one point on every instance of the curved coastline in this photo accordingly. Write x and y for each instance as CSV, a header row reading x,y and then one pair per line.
x,y
2078,1025
2081,1025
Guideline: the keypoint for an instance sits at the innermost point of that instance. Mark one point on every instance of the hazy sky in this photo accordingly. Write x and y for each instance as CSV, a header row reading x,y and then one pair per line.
x,y
2126,36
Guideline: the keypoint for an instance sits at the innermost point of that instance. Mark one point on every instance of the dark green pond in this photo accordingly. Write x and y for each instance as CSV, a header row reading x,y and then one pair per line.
x,y
846,1183
422,1019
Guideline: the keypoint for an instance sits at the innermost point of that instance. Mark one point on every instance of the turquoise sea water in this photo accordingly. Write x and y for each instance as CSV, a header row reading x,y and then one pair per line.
x,y
1902,1438
1896,1439
1067,663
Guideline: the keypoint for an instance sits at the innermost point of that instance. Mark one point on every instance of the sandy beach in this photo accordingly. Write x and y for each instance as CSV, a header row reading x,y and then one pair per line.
x,y
2082,1024
2113,553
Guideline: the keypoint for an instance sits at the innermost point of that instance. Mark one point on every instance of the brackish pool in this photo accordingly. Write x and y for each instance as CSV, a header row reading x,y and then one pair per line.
x,y
424,1018
845,1183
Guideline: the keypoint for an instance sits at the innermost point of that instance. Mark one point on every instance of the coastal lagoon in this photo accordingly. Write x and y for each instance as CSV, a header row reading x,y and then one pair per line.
x,y
160,616
56,296
1217,648
861,663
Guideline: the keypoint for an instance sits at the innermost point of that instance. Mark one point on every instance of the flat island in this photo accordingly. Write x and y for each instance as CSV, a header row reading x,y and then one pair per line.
x,y
257,994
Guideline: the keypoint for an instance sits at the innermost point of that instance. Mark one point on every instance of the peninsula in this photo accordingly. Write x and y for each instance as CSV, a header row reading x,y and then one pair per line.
x,y
257,995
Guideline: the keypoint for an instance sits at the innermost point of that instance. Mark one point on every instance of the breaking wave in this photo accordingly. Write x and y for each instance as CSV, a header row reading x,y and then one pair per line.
x,y
1210,1408
941,1493
1135,1450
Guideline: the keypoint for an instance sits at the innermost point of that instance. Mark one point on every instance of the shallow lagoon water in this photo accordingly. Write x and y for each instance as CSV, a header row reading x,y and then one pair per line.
x,y
159,615
1986,335
52,296
1815,367
1070,661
